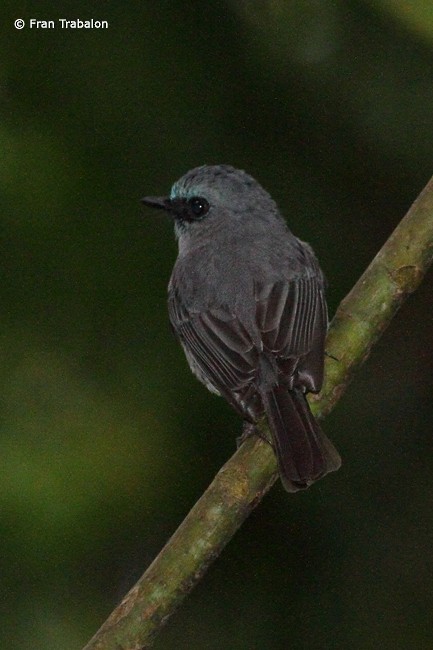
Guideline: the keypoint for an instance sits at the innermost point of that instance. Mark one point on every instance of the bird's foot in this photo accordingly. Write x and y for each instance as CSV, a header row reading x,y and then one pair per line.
x,y
251,429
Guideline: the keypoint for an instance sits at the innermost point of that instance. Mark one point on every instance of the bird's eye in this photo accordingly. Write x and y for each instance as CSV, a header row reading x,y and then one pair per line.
x,y
198,206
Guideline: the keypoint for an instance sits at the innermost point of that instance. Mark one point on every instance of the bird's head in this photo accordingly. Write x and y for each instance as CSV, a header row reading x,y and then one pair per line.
x,y
212,192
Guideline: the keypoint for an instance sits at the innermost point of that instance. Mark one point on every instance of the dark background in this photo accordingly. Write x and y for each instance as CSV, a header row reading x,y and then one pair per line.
x,y
106,439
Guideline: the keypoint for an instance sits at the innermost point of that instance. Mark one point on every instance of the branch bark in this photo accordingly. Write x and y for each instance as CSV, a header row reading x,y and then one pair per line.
x,y
361,318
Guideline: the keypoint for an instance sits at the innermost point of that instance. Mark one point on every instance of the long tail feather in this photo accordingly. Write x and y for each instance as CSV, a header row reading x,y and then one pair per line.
x,y
303,451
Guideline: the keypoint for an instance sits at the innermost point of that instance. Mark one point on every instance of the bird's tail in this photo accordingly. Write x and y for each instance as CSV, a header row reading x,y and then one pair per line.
x,y
303,451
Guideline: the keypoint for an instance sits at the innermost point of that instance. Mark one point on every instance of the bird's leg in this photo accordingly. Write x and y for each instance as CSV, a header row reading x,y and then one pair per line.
x,y
251,429
248,429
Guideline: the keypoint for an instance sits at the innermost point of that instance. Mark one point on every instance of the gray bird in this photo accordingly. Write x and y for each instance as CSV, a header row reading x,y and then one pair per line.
x,y
247,301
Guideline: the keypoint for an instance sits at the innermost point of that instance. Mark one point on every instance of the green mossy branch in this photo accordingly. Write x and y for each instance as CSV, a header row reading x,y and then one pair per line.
x,y
363,315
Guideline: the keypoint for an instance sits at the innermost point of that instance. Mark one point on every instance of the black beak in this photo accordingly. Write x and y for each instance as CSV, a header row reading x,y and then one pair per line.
x,y
160,202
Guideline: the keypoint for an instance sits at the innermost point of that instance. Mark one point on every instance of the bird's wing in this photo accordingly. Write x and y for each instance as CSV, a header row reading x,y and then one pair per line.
x,y
293,319
291,315
218,347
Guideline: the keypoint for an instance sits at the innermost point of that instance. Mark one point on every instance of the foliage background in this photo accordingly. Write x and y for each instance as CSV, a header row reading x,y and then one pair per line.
x,y
106,440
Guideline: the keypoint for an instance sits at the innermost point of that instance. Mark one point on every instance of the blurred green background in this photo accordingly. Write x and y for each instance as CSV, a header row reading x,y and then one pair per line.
x,y
106,439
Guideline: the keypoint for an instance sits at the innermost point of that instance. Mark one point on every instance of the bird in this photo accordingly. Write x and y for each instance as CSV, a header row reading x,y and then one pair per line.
x,y
246,299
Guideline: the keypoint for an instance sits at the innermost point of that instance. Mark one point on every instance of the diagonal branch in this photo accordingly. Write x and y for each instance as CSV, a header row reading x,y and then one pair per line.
x,y
363,315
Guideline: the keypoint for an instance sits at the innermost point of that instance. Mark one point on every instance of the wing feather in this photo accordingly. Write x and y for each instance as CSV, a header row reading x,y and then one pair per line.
x,y
291,320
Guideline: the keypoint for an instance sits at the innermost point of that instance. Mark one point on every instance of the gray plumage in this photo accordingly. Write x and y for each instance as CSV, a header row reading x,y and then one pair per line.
x,y
247,301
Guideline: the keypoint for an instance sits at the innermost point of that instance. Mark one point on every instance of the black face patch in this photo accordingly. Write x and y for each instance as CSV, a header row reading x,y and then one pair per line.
x,y
189,210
